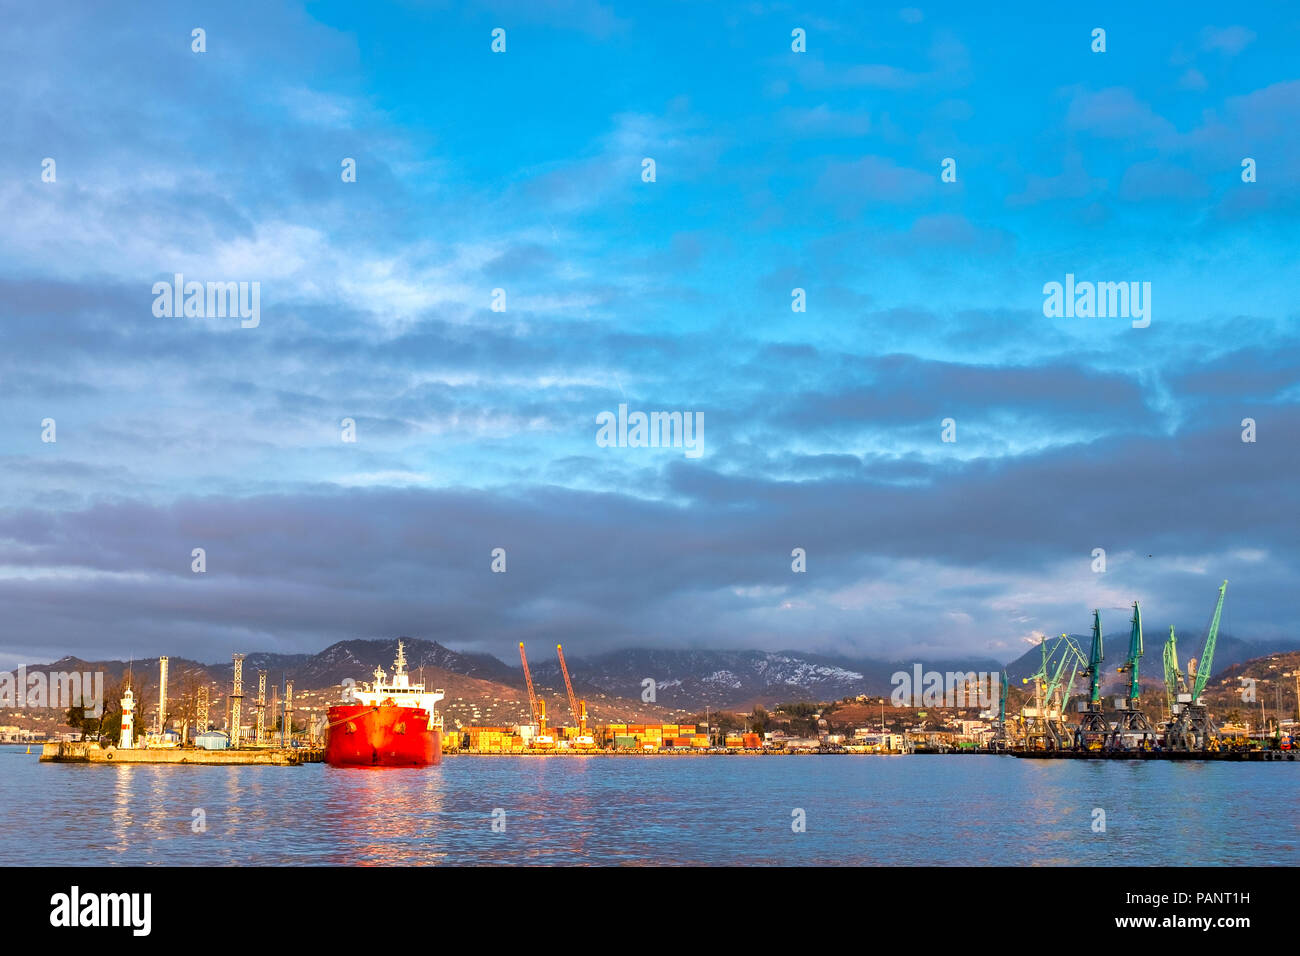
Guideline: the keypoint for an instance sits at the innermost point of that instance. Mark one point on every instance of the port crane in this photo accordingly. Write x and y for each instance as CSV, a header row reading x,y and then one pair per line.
x,y
1191,727
1072,655
576,707
1092,731
1077,659
1000,739
1132,728
1174,682
1044,726
536,706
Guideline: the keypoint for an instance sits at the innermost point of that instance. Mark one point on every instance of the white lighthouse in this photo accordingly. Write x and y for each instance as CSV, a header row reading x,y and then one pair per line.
x,y
128,720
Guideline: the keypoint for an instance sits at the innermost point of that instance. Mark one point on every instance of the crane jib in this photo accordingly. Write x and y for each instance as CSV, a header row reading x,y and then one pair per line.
x,y
1211,639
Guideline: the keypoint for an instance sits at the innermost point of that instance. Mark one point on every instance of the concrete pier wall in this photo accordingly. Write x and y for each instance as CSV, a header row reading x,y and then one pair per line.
x,y
92,752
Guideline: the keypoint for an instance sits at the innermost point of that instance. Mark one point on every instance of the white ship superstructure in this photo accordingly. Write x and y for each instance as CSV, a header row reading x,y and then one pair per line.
x,y
399,690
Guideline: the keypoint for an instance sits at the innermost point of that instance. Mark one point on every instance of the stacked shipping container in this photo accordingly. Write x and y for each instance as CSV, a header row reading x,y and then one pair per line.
x,y
639,737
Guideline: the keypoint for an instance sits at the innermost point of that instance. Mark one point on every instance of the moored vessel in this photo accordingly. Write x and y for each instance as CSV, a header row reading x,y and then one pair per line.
x,y
386,723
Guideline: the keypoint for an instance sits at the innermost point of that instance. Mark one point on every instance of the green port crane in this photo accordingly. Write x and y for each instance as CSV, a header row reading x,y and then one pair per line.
x,y
1002,709
1074,656
1134,660
1044,720
1132,728
1200,673
1070,653
1192,728
1033,721
1092,730
1174,683
1094,662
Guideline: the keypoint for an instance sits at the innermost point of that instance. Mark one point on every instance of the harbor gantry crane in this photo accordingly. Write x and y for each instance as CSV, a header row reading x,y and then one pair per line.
x,y
1092,731
1132,728
1192,728
536,706
1174,683
1036,735
576,707
1044,726
1062,692
1001,741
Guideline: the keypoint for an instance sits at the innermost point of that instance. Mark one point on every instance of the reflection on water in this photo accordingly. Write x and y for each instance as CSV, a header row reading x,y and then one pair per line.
x,y
631,811
379,815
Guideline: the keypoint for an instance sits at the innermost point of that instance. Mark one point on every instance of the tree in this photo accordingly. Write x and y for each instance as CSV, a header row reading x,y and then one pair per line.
x,y
758,719
187,703
75,717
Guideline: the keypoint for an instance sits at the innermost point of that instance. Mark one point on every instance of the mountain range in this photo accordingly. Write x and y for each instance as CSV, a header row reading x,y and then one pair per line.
x,y
616,681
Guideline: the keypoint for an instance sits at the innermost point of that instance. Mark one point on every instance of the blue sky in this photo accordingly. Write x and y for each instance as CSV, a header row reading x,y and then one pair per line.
x,y
523,171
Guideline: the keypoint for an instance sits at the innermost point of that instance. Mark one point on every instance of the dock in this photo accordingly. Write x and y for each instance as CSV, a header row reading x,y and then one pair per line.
x,y
91,752
1236,755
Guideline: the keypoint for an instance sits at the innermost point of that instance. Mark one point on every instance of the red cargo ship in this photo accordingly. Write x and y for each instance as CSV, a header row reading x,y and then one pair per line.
x,y
386,723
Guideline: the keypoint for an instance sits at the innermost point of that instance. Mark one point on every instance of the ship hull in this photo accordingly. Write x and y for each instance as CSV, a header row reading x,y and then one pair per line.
x,y
384,736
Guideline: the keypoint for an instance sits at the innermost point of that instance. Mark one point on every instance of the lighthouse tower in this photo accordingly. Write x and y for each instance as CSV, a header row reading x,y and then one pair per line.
x,y
128,720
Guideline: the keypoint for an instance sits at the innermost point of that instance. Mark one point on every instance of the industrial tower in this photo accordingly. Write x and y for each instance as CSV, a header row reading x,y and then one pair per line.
x,y
201,705
236,699
261,707
286,721
162,694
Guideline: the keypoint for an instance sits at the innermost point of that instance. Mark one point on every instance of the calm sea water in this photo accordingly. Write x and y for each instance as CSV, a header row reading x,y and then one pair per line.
x,y
630,810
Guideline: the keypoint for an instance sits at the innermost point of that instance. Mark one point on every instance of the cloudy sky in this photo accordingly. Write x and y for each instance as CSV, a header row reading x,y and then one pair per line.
x,y
523,171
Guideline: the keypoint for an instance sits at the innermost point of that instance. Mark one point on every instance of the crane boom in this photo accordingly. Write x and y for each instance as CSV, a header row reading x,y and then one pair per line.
x,y
1211,639
1094,662
1134,657
1060,666
528,679
1041,674
1070,653
568,685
